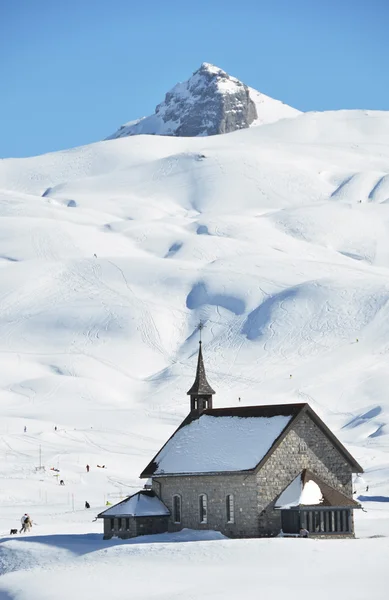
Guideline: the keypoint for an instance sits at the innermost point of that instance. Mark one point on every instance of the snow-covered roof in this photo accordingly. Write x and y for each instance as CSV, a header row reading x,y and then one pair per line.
x,y
222,440
142,504
308,490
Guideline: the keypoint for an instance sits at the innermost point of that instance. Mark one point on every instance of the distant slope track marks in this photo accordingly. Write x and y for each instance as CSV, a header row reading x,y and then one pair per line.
x,y
148,329
261,317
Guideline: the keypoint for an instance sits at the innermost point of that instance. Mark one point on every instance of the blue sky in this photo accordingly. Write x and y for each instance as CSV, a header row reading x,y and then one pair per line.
x,y
72,71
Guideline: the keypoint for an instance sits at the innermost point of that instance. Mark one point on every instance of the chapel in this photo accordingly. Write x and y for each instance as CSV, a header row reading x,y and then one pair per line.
x,y
245,471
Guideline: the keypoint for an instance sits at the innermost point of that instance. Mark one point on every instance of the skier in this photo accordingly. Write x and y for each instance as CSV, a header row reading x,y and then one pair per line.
x,y
87,505
87,468
25,429
55,428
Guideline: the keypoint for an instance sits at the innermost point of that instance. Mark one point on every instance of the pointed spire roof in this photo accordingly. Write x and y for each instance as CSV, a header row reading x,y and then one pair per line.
x,y
201,386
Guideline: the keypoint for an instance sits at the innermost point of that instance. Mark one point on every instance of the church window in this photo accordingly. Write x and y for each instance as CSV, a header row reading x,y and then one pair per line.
x,y
177,508
203,508
230,508
303,448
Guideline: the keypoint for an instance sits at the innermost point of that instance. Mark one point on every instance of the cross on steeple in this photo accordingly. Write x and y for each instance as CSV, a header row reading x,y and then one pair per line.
x,y
201,392
200,327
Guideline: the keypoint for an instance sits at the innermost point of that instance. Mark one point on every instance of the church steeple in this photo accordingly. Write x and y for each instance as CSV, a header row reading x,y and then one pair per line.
x,y
201,392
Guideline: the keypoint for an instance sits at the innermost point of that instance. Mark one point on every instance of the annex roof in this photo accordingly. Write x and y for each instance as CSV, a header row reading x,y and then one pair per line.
x,y
235,439
307,489
142,504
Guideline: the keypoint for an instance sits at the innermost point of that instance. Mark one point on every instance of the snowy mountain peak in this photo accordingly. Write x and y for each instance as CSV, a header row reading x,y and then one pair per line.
x,y
208,103
212,73
211,70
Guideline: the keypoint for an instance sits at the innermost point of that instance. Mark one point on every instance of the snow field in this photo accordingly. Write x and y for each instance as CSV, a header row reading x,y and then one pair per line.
x,y
276,237
278,568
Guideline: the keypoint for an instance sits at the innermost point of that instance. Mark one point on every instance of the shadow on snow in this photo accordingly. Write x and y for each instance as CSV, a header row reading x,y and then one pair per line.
x,y
87,543
373,498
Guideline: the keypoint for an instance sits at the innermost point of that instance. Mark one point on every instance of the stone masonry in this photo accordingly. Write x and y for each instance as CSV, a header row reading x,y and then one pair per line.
x,y
255,492
216,487
287,461
133,526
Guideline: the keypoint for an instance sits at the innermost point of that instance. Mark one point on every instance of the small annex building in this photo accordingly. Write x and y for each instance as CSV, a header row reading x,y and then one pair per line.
x,y
139,514
249,471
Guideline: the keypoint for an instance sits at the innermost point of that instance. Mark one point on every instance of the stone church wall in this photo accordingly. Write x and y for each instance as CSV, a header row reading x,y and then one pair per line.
x,y
243,487
304,447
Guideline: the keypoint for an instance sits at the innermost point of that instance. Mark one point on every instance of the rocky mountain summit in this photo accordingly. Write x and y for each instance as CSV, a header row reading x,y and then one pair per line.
x,y
209,103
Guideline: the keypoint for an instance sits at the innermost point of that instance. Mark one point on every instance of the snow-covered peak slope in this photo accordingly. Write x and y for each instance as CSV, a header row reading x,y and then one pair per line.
x,y
277,237
208,103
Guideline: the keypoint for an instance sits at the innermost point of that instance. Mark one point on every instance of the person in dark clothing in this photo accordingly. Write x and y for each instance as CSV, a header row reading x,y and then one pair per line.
x,y
304,533
26,523
87,468
87,505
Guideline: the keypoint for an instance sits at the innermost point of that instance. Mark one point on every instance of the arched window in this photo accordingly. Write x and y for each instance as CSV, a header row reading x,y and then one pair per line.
x,y
303,448
230,508
177,508
203,508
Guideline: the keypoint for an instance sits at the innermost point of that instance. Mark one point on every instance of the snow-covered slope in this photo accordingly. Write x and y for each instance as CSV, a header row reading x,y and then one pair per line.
x,y
276,237
208,103
68,567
